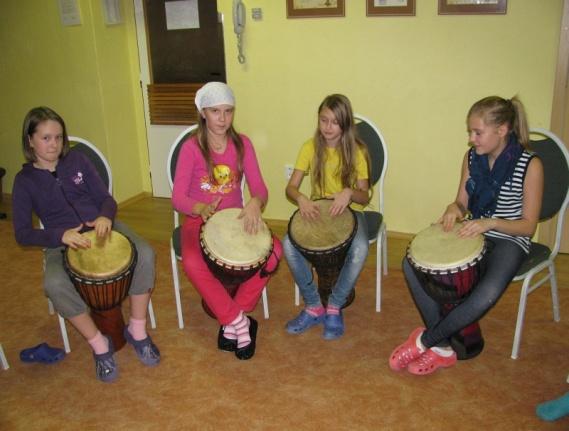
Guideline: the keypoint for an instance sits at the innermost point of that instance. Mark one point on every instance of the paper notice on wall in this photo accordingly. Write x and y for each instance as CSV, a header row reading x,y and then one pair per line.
x,y
69,12
182,14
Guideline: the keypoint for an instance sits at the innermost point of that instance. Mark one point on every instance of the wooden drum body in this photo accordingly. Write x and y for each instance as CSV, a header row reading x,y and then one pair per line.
x,y
449,267
233,255
102,275
324,242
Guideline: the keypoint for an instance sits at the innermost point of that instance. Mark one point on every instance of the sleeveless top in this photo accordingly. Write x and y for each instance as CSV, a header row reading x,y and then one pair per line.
x,y
510,200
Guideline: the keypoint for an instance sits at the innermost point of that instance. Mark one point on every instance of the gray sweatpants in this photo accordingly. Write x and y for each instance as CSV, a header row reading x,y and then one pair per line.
x,y
61,291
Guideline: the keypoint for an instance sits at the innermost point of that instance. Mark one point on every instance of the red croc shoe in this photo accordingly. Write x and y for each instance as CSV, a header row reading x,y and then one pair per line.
x,y
429,362
407,352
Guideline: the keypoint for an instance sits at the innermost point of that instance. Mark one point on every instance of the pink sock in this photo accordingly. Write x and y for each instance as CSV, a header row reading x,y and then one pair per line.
x,y
230,332
332,310
137,328
241,324
99,343
315,311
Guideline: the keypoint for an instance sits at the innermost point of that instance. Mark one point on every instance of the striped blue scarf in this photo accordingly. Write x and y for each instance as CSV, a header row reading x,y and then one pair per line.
x,y
483,186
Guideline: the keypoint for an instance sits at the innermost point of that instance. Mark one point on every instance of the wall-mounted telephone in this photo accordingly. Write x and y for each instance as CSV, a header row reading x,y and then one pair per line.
x,y
239,26
238,16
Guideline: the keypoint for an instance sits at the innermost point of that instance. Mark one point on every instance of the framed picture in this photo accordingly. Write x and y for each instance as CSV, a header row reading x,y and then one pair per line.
x,y
472,7
314,8
390,7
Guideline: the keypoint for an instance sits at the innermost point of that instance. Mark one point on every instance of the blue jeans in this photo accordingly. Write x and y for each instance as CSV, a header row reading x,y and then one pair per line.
x,y
304,277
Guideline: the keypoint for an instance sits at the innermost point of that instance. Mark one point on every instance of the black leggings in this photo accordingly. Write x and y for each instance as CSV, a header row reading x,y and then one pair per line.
x,y
501,263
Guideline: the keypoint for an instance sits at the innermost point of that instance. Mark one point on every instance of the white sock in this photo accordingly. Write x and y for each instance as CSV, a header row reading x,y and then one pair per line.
x,y
441,351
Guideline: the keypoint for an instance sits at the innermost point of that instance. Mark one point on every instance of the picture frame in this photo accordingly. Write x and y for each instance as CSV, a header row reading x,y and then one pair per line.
x,y
390,7
315,8
472,7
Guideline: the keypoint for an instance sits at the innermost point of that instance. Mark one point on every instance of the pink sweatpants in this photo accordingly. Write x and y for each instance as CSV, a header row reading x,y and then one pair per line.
x,y
225,308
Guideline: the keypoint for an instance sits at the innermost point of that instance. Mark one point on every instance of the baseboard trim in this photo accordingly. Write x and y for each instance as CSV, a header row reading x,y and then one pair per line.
x,y
134,199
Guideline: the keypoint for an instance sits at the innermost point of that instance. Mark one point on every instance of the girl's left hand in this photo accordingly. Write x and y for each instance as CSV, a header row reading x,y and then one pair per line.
x,y
251,215
102,225
472,228
341,201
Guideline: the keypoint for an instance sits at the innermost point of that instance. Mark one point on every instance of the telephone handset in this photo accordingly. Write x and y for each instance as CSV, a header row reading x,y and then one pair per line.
x,y
238,16
239,26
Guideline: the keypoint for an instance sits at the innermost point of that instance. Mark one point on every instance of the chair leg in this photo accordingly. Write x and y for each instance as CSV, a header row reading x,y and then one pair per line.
x,y
296,295
520,320
384,250
265,303
3,359
378,274
554,296
151,314
176,279
64,333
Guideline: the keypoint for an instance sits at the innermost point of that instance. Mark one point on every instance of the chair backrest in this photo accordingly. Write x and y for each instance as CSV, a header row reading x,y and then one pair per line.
x,y
369,133
172,161
96,157
555,158
174,152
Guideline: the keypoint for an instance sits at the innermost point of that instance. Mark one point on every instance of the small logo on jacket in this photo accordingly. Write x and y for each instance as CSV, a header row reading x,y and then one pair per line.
x,y
78,179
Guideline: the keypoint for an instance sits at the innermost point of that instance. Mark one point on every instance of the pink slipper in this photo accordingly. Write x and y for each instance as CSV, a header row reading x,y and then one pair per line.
x,y
407,352
429,362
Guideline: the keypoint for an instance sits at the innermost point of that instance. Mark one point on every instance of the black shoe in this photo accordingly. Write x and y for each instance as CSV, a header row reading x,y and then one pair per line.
x,y
248,351
225,344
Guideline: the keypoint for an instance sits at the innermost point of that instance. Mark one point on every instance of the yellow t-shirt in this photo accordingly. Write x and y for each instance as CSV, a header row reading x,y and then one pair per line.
x,y
332,182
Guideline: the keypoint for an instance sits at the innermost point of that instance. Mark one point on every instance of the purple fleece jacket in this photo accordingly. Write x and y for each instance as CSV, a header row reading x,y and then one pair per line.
x,y
76,196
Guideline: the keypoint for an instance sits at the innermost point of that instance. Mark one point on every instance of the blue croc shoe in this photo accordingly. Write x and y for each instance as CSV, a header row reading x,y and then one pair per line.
x,y
105,366
303,322
146,350
333,326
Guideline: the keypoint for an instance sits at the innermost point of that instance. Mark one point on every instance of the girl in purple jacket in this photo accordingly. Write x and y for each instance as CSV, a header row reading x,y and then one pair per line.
x,y
64,190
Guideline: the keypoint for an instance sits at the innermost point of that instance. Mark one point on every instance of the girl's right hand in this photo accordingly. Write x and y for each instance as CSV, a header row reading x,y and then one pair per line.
x,y
308,209
205,211
450,216
74,239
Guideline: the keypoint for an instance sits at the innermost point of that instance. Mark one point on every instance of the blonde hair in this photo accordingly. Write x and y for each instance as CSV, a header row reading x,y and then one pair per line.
x,y
349,143
497,111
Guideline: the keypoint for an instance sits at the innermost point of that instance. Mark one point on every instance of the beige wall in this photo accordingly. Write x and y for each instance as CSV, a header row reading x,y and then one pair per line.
x,y
415,77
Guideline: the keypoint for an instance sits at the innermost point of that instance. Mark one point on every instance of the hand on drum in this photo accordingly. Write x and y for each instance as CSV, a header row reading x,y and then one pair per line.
x,y
251,215
205,211
450,217
341,201
471,228
102,225
308,209
74,239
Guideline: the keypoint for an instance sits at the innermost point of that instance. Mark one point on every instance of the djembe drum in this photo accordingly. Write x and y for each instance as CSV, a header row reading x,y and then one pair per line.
x,y
449,267
232,254
324,242
102,275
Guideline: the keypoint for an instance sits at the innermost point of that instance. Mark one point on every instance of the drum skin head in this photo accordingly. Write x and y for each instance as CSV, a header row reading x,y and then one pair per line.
x,y
225,239
107,257
324,233
435,249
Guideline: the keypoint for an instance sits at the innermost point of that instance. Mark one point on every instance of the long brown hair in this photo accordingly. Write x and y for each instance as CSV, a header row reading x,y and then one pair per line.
x,y
349,143
203,144
33,118
496,111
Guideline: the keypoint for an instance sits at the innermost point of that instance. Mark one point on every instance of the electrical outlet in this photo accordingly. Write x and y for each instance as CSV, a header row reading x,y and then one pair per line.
x,y
288,171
